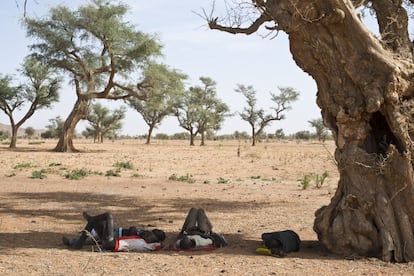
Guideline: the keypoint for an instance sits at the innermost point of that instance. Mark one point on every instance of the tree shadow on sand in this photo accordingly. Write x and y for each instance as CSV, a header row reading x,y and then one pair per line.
x,y
127,211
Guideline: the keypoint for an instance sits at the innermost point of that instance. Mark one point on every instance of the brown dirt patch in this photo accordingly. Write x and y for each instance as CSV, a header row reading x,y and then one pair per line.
x,y
243,196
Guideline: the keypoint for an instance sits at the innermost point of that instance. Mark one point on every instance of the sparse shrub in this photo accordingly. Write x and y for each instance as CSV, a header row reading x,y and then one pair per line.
x,y
36,142
113,172
222,180
184,178
124,165
305,181
39,174
21,166
321,179
173,177
77,174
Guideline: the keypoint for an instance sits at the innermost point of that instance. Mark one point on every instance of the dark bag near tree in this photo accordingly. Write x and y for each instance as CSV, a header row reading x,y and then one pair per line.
x,y
287,240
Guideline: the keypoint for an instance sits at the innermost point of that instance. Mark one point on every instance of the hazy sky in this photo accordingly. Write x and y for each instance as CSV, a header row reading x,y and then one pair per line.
x,y
190,47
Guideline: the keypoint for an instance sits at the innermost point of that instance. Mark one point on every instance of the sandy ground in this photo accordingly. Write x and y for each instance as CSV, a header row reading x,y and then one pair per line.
x,y
244,196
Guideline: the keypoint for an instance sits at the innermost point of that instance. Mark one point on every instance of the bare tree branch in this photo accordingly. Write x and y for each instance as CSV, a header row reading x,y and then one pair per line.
x,y
393,26
358,3
237,30
24,6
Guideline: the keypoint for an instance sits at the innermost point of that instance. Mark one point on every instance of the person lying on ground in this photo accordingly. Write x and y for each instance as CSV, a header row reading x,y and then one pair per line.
x,y
197,232
100,230
279,243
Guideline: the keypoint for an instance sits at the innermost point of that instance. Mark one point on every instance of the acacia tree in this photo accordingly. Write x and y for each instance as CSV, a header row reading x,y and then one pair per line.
x,y
97,50
320,129
199,110
29,131
40,91
103,121
257,118
163,95
54,129
211,110
365,92
186,113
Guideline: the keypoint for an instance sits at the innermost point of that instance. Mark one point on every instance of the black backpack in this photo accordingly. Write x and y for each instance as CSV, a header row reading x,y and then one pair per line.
x,y
287,240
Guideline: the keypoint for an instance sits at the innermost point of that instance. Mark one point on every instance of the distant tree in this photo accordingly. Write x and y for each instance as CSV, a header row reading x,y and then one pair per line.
x,y
103,121
256,117
210,135
29,131
241,135
4,135
164,88
55,129
162,136
320,129
280,134
200,110
212,110
180,136
97,49
40,91
187,114
303,135
90,132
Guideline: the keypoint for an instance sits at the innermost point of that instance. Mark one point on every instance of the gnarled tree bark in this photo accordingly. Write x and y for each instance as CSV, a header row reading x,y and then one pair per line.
x,y
79,112
366,95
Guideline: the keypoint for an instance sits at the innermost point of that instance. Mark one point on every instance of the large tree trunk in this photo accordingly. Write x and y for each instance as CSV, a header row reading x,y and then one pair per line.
x,y
79,111
366,94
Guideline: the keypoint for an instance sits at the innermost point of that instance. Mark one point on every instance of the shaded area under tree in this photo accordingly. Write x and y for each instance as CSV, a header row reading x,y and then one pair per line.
x,y
366,95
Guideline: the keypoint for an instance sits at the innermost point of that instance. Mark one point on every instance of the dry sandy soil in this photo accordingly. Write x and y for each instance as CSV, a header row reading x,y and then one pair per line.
x,y
244,196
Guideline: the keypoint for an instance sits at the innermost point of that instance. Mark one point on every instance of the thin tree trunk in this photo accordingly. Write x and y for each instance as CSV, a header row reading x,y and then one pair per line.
x,y
192,138
253,137
203,137
13,141
150,129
